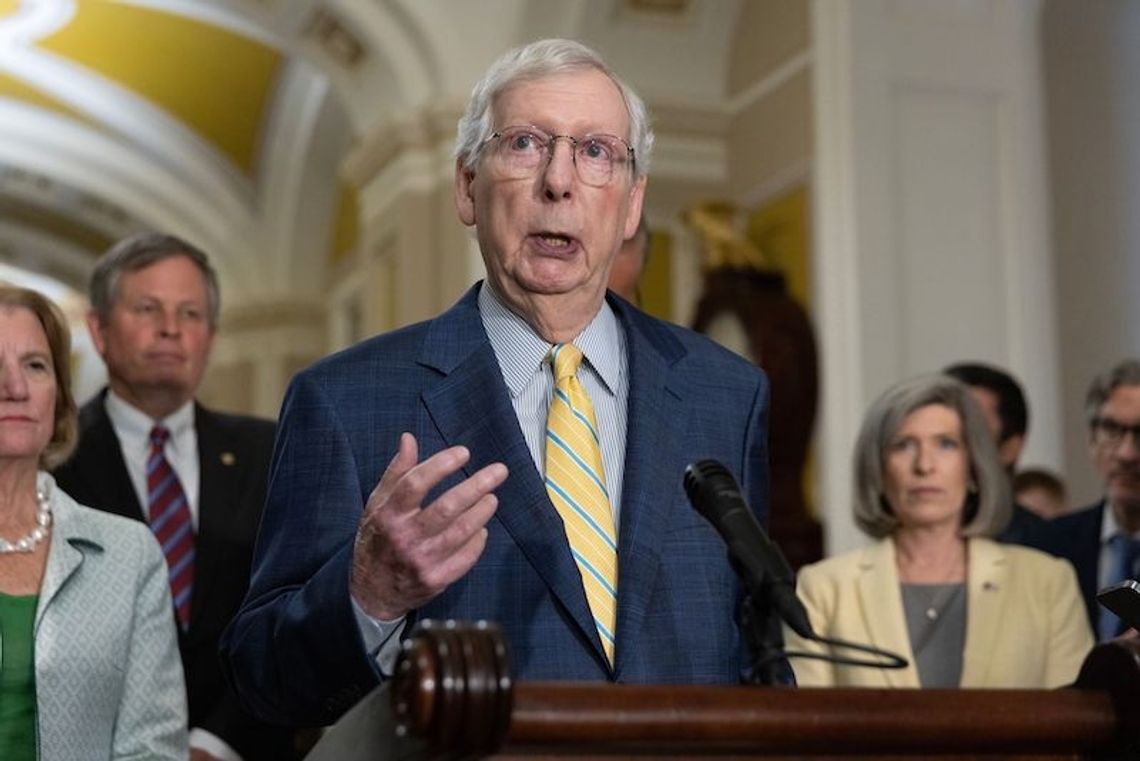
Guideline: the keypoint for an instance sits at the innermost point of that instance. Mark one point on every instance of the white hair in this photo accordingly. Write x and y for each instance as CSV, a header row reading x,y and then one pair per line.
x,y
534,61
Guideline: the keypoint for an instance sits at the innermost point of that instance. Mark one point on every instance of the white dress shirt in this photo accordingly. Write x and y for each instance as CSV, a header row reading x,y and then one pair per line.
x,y
132,427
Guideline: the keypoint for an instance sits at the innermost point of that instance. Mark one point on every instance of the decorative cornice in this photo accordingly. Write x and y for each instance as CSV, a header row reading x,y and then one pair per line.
x,y
689,119
422,130
335,38
55,222
797,64
272,315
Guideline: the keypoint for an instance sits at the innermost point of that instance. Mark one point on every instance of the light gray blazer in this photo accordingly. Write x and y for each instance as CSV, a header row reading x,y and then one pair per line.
x,y
109,679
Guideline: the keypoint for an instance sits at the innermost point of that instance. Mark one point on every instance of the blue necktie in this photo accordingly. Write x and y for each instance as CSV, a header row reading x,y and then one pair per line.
x,y
1125,554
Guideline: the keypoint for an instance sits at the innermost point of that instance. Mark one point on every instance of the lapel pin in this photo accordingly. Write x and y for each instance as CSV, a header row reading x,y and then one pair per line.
x,y
989,586
228,458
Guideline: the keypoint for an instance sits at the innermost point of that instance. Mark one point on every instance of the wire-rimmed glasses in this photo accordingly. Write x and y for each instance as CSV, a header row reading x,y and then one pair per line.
x,y
519,151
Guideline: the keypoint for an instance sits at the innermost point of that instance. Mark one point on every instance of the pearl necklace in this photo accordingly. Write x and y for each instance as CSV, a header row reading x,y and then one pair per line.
x,y
36,535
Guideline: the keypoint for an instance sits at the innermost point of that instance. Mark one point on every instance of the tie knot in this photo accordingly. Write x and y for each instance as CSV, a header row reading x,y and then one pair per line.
x,y
566,359
158,436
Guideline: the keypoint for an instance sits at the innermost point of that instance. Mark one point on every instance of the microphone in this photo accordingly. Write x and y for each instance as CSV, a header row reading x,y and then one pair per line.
x,y
715,495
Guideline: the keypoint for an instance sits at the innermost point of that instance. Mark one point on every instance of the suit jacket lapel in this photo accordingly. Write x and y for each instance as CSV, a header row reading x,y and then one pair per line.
x,y
471,406
880,597
655,429
100,465
985,602
1087,562
64,558
217,487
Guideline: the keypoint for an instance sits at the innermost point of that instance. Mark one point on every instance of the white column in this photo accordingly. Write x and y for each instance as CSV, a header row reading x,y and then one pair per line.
x,y
931,231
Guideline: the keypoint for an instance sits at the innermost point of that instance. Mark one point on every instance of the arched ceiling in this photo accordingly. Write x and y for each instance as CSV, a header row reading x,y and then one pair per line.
x,y
195,117
230,121
216,82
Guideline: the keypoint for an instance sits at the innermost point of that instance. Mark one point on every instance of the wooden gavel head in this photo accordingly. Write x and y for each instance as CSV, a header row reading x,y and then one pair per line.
x,y
453,687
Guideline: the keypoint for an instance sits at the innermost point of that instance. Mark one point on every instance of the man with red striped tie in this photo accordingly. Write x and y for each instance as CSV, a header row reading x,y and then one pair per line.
x,y
197,477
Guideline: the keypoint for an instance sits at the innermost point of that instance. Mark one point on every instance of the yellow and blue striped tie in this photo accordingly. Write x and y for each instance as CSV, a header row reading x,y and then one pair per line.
x,y
576,482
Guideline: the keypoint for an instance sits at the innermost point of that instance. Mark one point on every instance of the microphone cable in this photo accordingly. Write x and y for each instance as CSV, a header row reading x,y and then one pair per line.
x,y
888,660
761,565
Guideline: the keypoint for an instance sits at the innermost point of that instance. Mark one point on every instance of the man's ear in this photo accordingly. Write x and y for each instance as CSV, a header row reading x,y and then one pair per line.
x,y
95,328
464,193
633,213
1009,451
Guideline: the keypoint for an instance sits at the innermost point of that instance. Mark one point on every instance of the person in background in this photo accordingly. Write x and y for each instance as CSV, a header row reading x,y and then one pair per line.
x,y
625,275
1006,412
1102,541
519,458
963,610
1041,491
89,664
150,452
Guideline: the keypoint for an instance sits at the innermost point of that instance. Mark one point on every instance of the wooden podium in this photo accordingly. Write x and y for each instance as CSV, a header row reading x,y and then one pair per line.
x,y
453,698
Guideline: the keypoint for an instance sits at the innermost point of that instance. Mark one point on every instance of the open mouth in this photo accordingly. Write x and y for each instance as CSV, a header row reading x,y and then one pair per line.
x,y
555,240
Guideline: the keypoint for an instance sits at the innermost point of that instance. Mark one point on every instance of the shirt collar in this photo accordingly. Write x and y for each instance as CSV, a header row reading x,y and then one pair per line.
x,y
135,424
1109,527
602,343
521,352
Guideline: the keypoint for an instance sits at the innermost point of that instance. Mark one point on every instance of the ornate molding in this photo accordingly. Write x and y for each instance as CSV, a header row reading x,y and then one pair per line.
x,y
423,130
272,315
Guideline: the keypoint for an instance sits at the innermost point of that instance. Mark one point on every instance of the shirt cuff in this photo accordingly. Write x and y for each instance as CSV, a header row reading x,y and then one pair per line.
x,y
381,638
212,744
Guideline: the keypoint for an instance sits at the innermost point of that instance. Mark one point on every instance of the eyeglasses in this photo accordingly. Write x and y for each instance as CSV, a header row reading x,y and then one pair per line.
x,y
520,151
1111,432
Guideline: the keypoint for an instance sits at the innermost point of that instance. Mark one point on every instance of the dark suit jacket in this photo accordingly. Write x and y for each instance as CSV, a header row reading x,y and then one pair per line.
x,y
1075,537
294,650
234,457
1023,525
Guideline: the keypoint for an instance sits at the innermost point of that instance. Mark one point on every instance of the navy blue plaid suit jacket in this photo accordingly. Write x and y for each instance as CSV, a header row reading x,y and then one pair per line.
x,y
294,651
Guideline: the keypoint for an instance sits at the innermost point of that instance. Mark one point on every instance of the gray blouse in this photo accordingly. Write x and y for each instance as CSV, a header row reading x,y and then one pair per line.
x,y
936,622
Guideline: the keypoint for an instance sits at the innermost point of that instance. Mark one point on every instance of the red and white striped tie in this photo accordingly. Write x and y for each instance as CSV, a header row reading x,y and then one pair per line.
x,y
169,516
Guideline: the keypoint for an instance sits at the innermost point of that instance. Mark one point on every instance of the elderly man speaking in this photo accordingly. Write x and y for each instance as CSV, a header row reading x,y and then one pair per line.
x,y
520,457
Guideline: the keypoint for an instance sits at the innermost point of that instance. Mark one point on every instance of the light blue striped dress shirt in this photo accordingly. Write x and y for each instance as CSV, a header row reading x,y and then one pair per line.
x,y
524,359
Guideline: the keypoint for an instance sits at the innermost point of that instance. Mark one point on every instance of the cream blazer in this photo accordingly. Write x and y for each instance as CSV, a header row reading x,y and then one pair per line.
x,y
1025,622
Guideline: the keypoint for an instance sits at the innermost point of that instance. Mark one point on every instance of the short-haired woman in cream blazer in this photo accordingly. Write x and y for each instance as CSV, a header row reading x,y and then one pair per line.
x,y
963,610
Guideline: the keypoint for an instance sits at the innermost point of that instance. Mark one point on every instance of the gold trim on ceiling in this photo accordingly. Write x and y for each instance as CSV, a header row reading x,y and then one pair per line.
x,y
217,82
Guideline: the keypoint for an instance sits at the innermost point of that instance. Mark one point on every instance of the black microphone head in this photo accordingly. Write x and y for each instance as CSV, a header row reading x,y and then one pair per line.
x,y
715,494
704,481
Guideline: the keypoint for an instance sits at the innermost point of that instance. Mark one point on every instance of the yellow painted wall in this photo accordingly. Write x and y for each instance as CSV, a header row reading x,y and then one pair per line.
x,y
346,224
780,229
657,277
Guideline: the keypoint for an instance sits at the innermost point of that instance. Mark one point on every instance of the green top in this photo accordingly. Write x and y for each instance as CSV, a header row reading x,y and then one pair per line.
x,y
17,678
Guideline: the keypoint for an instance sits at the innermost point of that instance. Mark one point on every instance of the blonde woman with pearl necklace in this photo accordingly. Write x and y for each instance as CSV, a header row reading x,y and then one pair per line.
x,y
89,665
